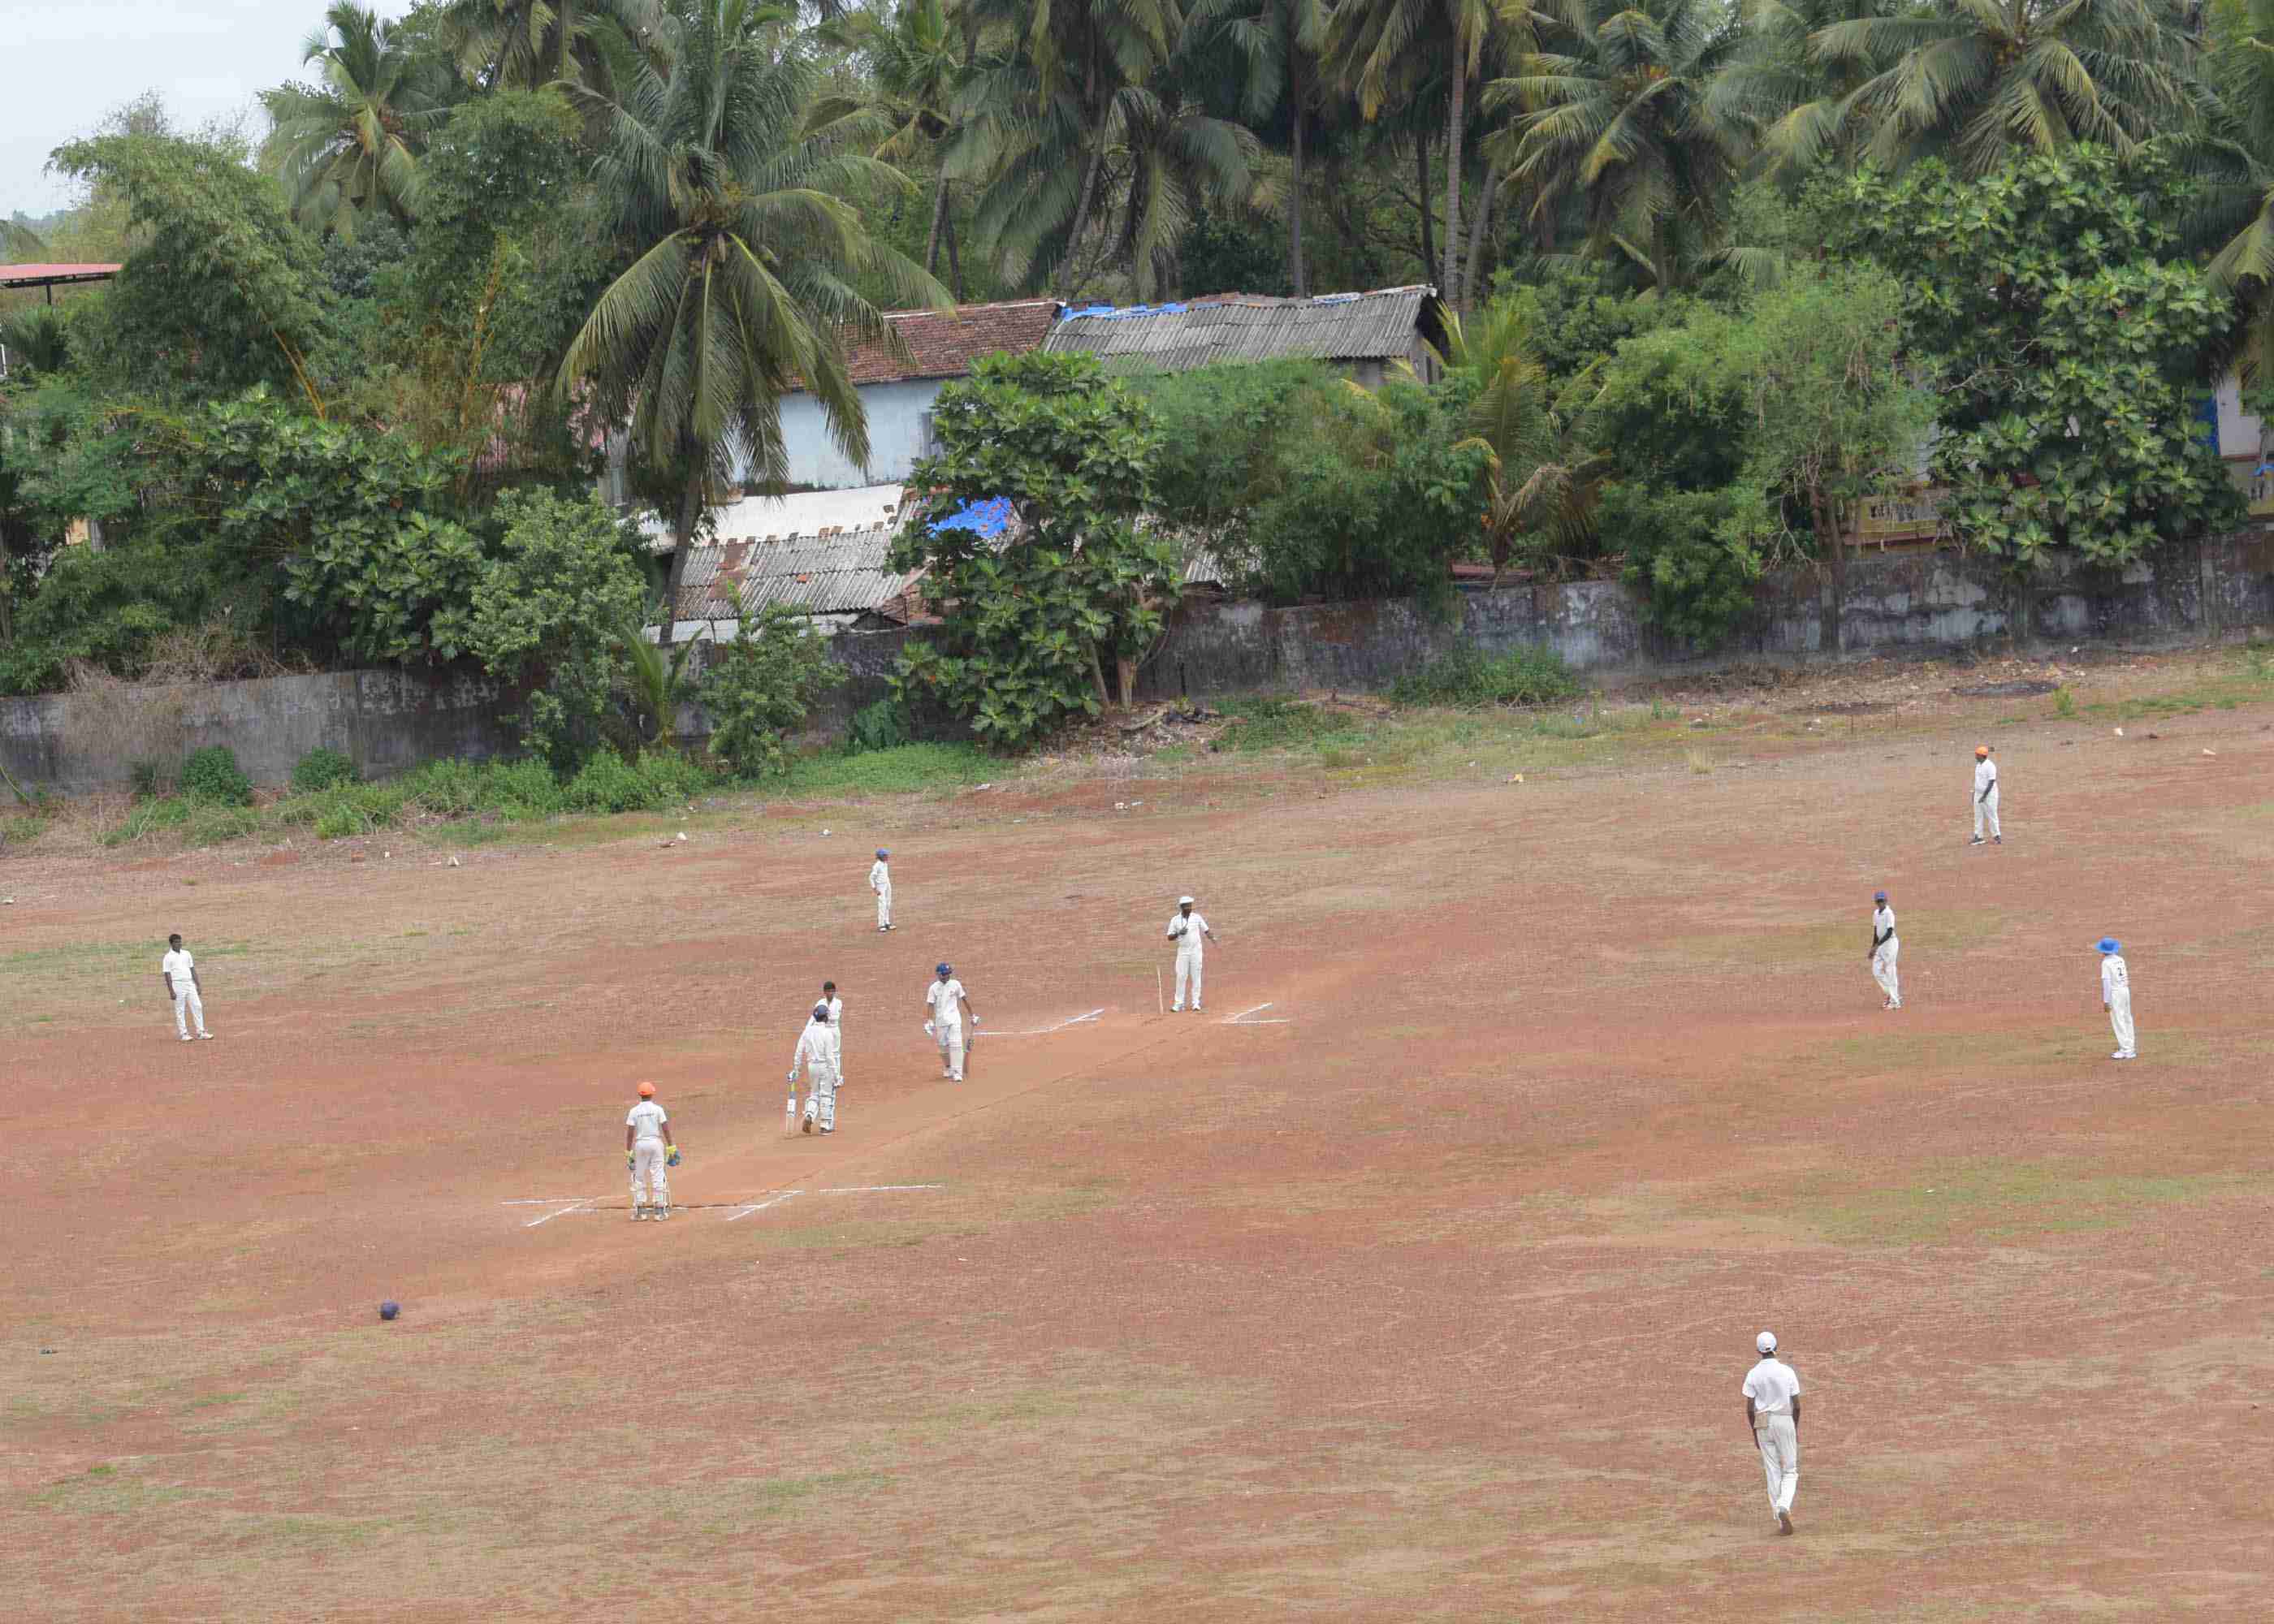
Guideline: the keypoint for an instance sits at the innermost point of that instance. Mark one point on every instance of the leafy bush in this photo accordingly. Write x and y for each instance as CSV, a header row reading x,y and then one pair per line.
x,y
526,789
212,775
897,770
347,809
147,817
214,824
672,777
1681,552
323,769
1275,722
448,788
1469,676
608,783
763,684
883,725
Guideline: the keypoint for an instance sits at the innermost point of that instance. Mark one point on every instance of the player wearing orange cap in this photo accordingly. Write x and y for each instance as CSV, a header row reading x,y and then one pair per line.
x,y
1985,796
648,1151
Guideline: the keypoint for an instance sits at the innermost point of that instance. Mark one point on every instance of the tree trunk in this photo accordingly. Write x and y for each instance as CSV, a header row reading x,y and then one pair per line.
x,y
1428,237
1088,188
1477,238
1098,670
954,258
1827,519
683,544
1125,671
567,29
938,214
1295,190
1449,285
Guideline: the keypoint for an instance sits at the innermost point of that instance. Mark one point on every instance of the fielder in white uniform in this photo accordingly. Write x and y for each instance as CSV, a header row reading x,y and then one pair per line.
x,y
1883,951
836,1024
817,1056
880,881
179,973
1985,796
1772,1416
947,1003
2116,996
648,1151
1187,929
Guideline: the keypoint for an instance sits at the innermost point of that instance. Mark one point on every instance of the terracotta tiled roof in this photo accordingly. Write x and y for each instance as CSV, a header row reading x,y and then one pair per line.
x,y
945,346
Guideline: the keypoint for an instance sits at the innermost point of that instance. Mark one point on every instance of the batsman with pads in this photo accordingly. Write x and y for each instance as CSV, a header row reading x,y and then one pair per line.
x,y
817,1055
648,1151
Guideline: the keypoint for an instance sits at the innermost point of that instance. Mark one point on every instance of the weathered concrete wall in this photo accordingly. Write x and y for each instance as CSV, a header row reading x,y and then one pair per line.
x,y
1925,602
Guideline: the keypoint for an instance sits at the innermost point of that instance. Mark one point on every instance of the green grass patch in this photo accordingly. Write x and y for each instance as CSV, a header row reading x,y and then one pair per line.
x,y
1467,676
1990,1201
899,770
1257,722
106,1491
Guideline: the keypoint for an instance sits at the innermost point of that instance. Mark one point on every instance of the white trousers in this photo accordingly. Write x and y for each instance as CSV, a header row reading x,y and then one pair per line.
x,y
884,907
2119,1018
1882,969
188,1007
821,1095
1986,810
1780,1443
1188,975
949,1033
648,1157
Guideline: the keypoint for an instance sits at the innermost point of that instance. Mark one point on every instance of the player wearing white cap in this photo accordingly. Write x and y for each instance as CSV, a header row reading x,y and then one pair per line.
x,y
1985,797
947,1004
2116,995
816,1054
1883,951
1772,1418
880,881
1187,929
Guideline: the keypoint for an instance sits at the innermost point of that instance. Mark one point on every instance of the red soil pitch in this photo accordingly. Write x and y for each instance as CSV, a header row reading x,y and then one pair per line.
x,y
1432,1303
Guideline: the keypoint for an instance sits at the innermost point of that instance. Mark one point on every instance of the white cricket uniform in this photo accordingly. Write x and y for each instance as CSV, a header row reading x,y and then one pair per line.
x,y
1883,957
819,1058
880,881
1188,931
649,1152
1772,1384
2116,993
946,1001
837,1026
1985,797
187,1005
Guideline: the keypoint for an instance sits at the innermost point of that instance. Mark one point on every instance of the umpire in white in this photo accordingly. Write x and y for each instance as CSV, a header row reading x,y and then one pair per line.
x,y
1772,1416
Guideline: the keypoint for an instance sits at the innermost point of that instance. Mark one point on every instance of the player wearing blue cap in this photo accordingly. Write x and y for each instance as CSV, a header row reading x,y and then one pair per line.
x,y
947,1004
817,1056
880,881
1883,951
2116,995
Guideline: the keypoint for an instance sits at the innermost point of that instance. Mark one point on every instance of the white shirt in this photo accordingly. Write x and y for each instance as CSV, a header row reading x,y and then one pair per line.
x,y
817,1050
1772,1385
1883,921
647,1117
178,964
880,877
946,1000
2115,977
1187,930
1985,774
836,1014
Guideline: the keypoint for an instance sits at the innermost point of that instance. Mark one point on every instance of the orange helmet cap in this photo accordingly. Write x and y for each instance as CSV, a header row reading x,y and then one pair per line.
x,y
1981,750
647,1091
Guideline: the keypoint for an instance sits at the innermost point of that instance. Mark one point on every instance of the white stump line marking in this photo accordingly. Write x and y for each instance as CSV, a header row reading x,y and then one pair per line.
x,y
1043,1032
759,1206
1241,1020
563,1213
538,1200
877,1189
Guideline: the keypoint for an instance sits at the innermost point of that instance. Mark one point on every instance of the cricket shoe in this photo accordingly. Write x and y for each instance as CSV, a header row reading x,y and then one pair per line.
x,y
1176,1009
662,1212
186,1038
2001,840
205,1037
808,1128
1977,840
1784,1521
2123,1054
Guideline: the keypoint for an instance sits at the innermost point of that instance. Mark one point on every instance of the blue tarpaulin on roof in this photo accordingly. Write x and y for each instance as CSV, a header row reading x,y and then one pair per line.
x,y
989,517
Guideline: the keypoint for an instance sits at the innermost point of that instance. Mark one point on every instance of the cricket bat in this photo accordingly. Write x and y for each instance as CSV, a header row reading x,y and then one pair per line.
x,y
789,1117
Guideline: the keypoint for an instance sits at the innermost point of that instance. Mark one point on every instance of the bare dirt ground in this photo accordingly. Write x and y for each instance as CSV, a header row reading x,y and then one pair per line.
x,y
1432,1302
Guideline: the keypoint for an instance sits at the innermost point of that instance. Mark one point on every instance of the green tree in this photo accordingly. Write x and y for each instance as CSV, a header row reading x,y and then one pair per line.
x,y
1280,44
1614,109
1796,100
2050,294
1980,81
760,684
1029,621
349,145
2234,216
741,290
917,59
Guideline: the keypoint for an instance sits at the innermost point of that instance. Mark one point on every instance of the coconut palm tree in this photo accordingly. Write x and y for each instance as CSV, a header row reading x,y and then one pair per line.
x,y
1981,79
917,59
350,143
527,43
1613,108
1795,103
743,289
2233,221
1278,43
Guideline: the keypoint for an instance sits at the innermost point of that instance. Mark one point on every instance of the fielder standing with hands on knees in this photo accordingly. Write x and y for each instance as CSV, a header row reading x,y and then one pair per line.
x,y
1187,929
1772,1418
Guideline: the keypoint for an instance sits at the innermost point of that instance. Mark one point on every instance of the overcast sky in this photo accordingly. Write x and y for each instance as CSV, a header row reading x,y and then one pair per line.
x,y
66,63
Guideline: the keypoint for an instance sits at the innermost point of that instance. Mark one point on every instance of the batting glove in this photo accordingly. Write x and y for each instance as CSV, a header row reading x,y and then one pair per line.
x,y
674,1160
928,1032
629,1164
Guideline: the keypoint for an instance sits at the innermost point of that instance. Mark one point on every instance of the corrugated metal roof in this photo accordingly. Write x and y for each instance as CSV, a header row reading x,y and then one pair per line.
x,y
1238,326
803,513
842,573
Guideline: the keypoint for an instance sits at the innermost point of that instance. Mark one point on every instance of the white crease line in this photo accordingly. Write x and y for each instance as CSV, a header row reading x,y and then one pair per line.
x,y
1043,1032
540,1200
759,1206
563,1213
1241,1020
878,1189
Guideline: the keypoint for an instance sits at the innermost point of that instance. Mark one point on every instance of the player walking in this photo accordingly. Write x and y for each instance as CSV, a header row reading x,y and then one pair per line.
x,y
1883,951
648,1151
179,973
1985,796
1772,1416
948,1004
2116,996
836,1024
1187,929
880,881
818,1056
